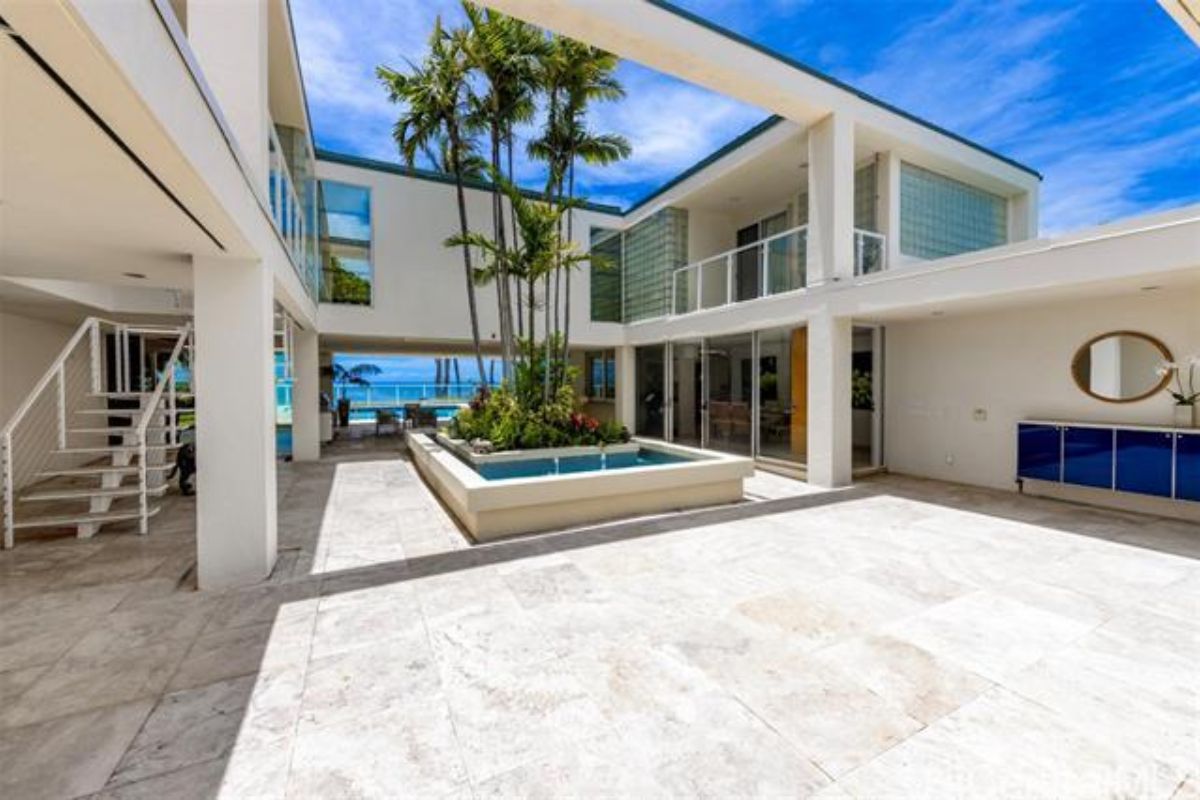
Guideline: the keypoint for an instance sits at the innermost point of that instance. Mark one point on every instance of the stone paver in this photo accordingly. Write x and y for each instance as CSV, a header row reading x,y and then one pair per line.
x,y
905,638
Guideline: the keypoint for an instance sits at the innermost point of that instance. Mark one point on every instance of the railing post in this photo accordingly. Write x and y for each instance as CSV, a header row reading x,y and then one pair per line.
x,y
699,286
729,279
94,343
62,407
764,278
144,517
859,265
7,468
171,405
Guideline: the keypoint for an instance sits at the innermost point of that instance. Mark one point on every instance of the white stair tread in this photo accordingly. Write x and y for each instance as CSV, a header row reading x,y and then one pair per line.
x,y
116,449
57,520
119,394
101,469
88,493
124,412
120,431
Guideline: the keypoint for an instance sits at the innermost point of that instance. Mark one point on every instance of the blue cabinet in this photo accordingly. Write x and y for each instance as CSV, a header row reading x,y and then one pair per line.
x,y
1088,457
1187,466
1039,451
1144,461
1155,461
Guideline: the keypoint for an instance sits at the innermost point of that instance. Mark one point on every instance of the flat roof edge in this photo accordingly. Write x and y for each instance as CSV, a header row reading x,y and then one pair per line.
x,y
711,26
419,173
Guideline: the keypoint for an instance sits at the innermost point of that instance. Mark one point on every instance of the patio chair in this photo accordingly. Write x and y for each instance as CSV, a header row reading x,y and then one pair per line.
x,y
411,410
386,418
425,418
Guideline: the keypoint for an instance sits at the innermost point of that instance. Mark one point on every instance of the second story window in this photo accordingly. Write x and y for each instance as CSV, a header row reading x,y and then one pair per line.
x,y
606,275
346,268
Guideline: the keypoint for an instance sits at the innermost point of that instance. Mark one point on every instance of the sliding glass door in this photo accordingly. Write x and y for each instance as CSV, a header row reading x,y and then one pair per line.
x,y
687,393
783,394
730,364
650,386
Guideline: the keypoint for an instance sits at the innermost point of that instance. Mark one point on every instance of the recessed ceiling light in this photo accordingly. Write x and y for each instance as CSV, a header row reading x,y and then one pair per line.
x,y
141,276
1151,288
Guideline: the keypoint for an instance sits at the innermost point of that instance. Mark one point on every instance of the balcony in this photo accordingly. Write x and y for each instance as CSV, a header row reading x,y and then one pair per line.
x,y
774,265
292,210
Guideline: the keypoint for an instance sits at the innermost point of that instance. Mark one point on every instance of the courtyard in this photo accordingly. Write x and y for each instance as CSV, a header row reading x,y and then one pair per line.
x,y
903,638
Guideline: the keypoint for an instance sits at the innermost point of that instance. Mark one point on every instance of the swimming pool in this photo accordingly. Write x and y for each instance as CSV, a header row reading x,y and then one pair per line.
x,y
502,494
567,465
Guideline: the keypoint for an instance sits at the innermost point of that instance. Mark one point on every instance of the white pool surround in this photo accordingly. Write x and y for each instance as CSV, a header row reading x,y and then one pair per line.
x,y
496,509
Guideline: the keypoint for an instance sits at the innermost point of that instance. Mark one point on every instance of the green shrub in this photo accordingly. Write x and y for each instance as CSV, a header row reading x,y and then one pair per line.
x,y
509,424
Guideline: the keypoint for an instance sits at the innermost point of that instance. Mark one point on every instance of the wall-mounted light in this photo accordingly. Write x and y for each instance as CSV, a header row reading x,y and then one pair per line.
x,y
141,276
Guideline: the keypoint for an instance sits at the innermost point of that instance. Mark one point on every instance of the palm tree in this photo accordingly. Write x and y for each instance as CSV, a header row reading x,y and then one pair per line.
x,y
434,95
538,251
358,375
574,76
505,51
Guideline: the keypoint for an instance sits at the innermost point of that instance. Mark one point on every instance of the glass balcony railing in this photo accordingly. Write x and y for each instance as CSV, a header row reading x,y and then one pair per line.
x,y
870,252
293,209
770,266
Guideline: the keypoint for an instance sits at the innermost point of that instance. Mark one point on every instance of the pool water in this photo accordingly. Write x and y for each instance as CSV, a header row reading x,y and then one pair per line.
x,y
567,465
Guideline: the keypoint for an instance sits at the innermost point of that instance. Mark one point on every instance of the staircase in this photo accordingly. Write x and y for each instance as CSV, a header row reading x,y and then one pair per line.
x,y
93,442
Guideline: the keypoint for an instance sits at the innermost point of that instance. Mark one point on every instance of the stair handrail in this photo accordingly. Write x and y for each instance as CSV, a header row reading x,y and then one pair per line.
x,y
49,375
90,325
168,378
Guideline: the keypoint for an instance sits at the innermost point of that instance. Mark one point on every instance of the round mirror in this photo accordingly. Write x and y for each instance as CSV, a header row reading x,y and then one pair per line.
x,y
1121,367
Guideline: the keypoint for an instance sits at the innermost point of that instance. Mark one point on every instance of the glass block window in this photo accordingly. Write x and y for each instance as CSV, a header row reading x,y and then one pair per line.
x,y
654,249
864,198
606,275
345,215
940,216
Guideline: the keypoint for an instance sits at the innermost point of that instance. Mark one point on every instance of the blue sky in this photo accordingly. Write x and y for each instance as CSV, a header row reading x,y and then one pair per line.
x,y
1100,96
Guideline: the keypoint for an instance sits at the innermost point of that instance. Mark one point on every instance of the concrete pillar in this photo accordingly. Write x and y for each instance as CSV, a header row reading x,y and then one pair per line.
x,y
831,200
235,421
626,399
888,186
830,433
306,391
229,40
1023,216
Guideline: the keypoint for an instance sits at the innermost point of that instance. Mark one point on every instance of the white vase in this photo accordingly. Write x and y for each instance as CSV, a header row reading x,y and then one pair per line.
x,y
1185,416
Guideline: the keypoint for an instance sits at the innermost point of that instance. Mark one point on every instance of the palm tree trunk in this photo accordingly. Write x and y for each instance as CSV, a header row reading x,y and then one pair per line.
x,y
501,279
566,338
512,214
466,251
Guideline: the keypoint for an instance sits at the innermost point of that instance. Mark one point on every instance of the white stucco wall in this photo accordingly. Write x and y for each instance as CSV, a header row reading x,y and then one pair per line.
x,y
27,346
1013,365
419,289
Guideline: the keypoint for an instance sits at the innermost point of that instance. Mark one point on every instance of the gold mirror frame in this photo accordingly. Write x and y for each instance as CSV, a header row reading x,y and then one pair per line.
x,y
1086,348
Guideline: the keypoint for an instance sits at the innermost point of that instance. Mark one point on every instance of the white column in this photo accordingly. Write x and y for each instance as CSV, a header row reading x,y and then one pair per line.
x,y
235,421
229,40
1023,216
626,400
831,200
888,179
306,393
830,435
